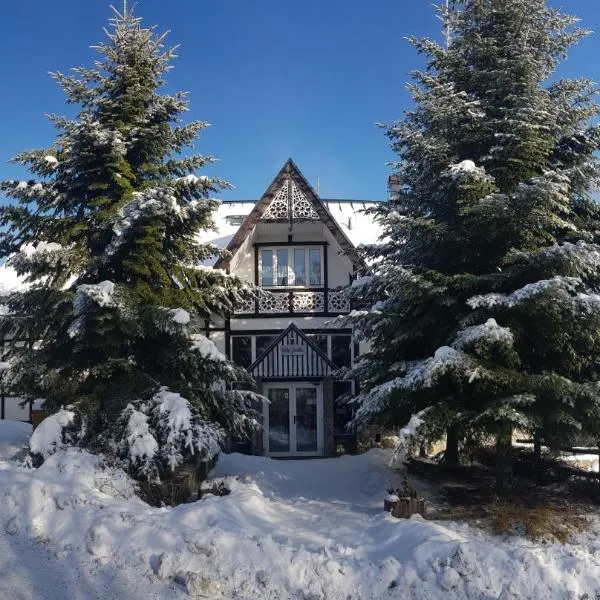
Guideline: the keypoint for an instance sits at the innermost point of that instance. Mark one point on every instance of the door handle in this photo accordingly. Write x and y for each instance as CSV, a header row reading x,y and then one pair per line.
x,y
294,419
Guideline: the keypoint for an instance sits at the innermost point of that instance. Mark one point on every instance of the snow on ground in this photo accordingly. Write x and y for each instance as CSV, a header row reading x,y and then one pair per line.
x,y
588,462
297,530
13,436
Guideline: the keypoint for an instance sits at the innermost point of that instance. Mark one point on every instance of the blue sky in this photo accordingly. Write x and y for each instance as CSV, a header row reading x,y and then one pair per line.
x,y
276,79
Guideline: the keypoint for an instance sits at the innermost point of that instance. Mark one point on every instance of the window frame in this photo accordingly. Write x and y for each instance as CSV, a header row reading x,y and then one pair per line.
x,y
267,333
291,258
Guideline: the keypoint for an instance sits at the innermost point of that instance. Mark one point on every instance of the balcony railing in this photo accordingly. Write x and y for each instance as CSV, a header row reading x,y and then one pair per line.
x,y
291,302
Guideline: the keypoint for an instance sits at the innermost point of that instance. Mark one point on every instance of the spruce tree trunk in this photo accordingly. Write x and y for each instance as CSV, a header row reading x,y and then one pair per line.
x,y
503,457
451,452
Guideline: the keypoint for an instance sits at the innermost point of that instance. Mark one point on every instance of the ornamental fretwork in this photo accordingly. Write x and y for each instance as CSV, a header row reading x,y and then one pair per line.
x,y
278,209
308,301
301,206
338,302
245,306
278,302
274,302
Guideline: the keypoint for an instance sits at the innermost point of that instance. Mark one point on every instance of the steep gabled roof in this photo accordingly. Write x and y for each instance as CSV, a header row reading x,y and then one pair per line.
x,y
304,358
290,180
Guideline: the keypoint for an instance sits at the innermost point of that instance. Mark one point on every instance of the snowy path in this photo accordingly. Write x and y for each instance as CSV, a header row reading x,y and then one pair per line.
x,y
320,504
289,530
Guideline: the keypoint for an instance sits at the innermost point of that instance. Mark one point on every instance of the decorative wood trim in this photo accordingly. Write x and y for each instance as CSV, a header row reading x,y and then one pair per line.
x,y
273,363
321,331
289,379
245,316
291,171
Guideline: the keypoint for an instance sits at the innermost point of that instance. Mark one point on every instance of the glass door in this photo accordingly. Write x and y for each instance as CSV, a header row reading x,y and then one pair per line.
x,y
306,425
293,420
279,439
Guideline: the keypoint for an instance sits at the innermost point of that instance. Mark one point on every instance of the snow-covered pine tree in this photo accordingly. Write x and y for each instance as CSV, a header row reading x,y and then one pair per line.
x,y
107,235
483,309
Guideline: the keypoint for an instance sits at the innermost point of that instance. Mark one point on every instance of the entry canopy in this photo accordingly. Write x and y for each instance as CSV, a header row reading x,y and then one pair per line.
x,y
292,354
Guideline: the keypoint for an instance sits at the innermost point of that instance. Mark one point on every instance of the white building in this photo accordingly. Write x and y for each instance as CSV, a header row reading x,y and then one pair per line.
x,y
300,250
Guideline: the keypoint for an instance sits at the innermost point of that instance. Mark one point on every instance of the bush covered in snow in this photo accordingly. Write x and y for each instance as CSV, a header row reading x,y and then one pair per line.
x,y
157,437
54,433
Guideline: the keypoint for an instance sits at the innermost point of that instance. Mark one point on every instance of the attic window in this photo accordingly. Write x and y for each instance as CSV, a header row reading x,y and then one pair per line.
x,y
291,266
235,219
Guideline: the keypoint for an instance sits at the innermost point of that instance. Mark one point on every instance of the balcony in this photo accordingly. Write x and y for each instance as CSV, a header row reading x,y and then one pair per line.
x,y
296,302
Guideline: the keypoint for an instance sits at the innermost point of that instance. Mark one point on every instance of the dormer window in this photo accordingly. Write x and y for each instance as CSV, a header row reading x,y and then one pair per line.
x,y
235,220
297,266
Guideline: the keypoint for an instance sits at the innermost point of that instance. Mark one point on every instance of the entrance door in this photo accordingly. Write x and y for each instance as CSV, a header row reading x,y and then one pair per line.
x,y
293,419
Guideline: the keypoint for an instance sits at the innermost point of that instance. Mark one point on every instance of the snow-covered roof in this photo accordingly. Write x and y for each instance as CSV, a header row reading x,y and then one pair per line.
x,y
349,215
358,227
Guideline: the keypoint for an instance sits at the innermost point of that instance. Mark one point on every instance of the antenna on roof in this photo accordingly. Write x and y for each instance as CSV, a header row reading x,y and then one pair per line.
x,y
318,185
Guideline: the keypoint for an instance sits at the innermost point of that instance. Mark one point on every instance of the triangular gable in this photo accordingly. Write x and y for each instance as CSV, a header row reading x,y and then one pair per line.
x,y
290,197
292,354
290,203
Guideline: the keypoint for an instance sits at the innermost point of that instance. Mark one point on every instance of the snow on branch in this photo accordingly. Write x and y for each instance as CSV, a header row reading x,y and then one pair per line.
x,y
162,434
33,257
488,332
49,436
207,348
180,316
564,284
582,258
149,204
467,168
142,446
99,294
418,374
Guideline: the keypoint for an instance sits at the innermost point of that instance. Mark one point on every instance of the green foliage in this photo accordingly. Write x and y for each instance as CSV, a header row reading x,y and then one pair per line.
x,y
107,235
483,304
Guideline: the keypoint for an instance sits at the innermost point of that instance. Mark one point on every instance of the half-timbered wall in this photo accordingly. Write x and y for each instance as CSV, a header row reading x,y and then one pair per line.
x,y
292,355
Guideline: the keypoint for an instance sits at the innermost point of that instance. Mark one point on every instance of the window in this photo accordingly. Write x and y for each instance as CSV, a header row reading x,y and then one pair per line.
x,y
341,350
314,263
234,219
263,342
241,350
266,267
300,266
291,266
320,341
282,267
338,347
